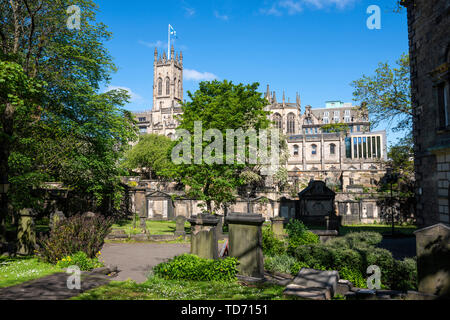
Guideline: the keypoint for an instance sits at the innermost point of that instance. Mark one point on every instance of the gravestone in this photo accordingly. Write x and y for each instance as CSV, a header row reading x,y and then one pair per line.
x,y
204,236
314,284
26,235
278,226
180,223
245,242
433,259
219,228
143,224
55,218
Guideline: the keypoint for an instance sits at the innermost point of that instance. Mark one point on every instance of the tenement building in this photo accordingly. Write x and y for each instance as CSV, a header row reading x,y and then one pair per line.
x,y
429,42
350,159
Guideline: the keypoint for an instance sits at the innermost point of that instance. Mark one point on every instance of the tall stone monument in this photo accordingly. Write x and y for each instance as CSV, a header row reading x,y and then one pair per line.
x,y
204,236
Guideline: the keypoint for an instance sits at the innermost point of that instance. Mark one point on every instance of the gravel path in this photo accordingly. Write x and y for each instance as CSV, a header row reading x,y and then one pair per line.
x,y
135,260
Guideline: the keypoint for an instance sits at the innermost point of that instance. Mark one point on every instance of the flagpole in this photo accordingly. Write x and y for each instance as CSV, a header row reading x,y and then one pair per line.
x,y
168,46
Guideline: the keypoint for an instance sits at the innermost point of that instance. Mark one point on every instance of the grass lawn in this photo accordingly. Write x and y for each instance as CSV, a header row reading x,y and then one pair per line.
x,y
381,228
159,289
15,271
155,227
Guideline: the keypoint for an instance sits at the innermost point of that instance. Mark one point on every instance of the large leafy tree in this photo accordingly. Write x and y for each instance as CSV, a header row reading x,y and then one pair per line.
x,y
387,95
150,156
70,132
221,106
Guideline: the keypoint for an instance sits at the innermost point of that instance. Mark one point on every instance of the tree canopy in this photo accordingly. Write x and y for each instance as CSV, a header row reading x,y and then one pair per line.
x,y
220,106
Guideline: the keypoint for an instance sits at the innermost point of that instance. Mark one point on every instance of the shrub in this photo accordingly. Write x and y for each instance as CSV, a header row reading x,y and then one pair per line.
x,y
354,276
280,263
191,267
298,235
344,258
272,246
81,260
357,239
404,276
75,234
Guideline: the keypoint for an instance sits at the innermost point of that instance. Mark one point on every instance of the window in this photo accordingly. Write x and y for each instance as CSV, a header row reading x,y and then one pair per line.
x,y
160,87
167,86
142,119
180,89
337,114
291,123
296,150
347,113
277,120
316,130
347,119
332,148
358,128
308,121
142,130
443,103
326,121
314,149
351,181
175,92
326,114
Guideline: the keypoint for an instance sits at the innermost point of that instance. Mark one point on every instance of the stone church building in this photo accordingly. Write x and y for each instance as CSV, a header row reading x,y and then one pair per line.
x,y
351,160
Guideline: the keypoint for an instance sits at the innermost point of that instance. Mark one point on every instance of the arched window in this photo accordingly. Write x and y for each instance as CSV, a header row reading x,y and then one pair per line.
x,y
160,84
291,123
167,86
180,89
296,150
175,92
332,148
314,149
278,121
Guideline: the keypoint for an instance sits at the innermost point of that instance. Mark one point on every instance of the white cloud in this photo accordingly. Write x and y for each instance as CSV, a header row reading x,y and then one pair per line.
x,y
189,12
195,75
157,44
134,97
292,7
221,16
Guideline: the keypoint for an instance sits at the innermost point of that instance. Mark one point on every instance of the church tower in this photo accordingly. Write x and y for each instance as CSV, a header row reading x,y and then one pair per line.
x,y
167,80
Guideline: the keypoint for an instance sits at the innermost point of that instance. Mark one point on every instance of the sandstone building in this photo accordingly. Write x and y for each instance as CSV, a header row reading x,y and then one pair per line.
x,y
351,160
429,42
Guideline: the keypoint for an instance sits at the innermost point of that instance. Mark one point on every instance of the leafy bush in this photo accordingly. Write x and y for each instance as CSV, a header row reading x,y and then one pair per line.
x,y
280,263
404,276
81,260
354,276
357,239
191,267
272,246
75,234
298,235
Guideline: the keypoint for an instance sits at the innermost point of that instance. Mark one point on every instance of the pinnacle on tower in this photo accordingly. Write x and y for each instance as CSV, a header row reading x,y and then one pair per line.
x,y
274,99
284,98
299,102
268,93
172,53
181,56
156,54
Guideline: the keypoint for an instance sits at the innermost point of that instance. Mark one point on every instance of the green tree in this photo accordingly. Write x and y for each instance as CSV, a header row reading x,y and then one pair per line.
x,y
335,127
387,95
221,106
150,156
71,132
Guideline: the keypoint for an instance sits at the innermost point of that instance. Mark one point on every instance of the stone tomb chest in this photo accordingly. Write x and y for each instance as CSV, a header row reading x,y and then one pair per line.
x,y
159,206
316,205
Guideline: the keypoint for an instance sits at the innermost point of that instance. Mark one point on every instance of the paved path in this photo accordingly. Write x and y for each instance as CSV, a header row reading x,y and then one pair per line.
x,y
135,260
52,287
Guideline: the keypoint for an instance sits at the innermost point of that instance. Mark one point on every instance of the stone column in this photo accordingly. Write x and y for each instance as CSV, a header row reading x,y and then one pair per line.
x,y
433,259
245,243
204,236
278,226
26,235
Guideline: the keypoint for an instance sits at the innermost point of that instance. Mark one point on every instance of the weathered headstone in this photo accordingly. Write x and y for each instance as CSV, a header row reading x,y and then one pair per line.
x,y
433,259
55,218
245,241
278,226
204,236
219,227
26,235
143,224
314,284
180,223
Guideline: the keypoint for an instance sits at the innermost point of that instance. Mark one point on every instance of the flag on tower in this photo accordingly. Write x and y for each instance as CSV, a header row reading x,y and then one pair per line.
x,y
172,32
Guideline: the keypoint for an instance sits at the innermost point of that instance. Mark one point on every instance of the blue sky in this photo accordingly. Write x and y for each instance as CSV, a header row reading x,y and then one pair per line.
x,y
314,47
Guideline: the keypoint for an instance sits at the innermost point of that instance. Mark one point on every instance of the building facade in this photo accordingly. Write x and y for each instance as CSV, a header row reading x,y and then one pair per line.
x,y
429,42
351,159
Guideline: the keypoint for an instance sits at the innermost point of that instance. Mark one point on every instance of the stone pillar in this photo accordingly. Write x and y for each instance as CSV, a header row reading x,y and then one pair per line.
x,y
245,241
180,222
219,227
26,235
433,259
204,236
278,226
